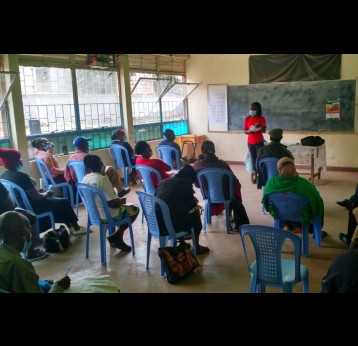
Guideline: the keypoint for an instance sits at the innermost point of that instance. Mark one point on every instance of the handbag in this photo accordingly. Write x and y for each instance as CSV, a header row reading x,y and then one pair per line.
x,y
57,240
177,261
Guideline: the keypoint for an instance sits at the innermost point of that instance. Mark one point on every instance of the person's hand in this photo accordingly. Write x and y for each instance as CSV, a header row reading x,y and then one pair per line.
x,y
257,125
49,281
49,193
65,282
122,201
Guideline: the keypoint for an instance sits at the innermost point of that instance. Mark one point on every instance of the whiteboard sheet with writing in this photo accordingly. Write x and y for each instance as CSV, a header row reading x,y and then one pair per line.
x,y
217,107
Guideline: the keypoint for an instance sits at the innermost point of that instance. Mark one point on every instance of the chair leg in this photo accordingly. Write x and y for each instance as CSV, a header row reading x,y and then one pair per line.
x,y
261,288
287,288
205,217
38,228
227,215
194,241
87,236
149,241
162,243
253,284
125,169
132,239
305,239
102,240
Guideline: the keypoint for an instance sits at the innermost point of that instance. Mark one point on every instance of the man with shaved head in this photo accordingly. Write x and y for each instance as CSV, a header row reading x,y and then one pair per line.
x,y
16,274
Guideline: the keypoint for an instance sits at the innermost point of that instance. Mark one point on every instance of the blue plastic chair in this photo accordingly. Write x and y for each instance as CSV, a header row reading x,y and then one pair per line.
x,y
149,203
289,207
164,152
269,268
80,171
22,201
117,152
270,164
214,178
50,183
90,194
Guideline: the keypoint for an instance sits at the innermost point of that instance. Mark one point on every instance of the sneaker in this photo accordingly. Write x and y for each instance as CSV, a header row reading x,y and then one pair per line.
x,y
81,230
344,204
201,250
124,192
38,254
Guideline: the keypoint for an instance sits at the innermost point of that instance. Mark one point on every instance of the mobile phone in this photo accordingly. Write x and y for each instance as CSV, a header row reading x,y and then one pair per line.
x,y
65,150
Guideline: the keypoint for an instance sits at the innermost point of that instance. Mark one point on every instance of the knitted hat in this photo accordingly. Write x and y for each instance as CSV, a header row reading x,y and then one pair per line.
x,y
9,158
276,134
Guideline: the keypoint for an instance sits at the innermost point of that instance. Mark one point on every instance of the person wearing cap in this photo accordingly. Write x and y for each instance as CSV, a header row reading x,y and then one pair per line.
x,y
81,143
273,149
169,140
210,160
143,149
44,147
177,192
40,202
16,274
7,204
254,127
119,137
288,181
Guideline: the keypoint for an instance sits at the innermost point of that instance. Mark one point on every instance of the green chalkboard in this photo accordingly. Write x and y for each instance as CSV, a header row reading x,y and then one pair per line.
x,y
299,106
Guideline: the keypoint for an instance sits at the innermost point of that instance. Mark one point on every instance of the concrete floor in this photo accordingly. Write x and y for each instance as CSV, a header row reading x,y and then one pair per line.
x,y
224,268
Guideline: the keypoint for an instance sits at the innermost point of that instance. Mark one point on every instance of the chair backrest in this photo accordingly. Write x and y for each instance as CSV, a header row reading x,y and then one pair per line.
x,y
18,194
147,173
214,179
44,172
149,203
270,164
90,195
79,168
118,152
288,205
268,242
164,152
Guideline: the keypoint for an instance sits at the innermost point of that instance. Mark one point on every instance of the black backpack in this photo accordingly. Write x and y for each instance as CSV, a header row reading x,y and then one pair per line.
x,y
312,141
57,240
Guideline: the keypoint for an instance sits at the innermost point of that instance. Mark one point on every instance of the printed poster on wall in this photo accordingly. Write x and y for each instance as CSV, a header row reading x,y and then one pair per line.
x,y
333,108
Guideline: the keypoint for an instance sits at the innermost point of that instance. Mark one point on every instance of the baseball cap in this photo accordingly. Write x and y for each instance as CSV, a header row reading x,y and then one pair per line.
x,y
79,141
276,133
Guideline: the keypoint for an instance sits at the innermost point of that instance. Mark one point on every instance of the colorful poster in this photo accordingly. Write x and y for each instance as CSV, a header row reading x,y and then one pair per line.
x,y
333,108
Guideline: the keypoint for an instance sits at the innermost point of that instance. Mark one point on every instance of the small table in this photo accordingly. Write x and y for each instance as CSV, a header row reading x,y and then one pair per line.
x,y
193,140
314,157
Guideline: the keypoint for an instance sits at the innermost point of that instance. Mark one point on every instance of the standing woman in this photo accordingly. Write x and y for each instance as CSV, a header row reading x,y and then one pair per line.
x,y
254,127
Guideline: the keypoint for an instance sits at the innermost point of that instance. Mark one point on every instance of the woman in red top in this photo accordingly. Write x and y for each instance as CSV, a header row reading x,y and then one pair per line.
x,y
254,127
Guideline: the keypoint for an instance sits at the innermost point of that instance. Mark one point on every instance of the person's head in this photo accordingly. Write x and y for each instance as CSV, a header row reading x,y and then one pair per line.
x,y
286,167
10,159
169,134
276,135
187,172
41,143
143,148
119,135
255,109
15,230
208,150
93,163
82,143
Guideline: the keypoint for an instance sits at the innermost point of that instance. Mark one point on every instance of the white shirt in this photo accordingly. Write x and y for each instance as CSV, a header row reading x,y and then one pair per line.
x,y
103,183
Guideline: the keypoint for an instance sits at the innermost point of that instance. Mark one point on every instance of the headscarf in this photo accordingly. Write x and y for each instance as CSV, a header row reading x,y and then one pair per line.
x,y
9,157
286,167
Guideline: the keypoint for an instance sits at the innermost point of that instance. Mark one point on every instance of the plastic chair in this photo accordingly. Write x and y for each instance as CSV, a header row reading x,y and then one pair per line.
x,y
148,203
214,179
269,268
50,183
22,201
164,152
90,194
80,171
270,164
289,207
117,152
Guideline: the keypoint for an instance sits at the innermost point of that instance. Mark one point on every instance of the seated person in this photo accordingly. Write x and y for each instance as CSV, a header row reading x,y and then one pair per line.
x,y
117,207
8,204
273,149
119,137
288,181
210,160
16,274
351,202
352,225
178,193
40,202
169,140
44,148
143,149
81,143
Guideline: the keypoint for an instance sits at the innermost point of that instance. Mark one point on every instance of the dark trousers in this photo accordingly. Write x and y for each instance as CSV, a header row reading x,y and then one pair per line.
x,y
240,216
254,148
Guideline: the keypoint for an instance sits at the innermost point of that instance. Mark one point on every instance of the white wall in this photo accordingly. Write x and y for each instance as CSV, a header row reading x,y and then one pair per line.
x,y
233,69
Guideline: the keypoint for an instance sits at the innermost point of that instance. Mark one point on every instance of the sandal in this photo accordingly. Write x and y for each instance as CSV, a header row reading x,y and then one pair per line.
x,y
201,249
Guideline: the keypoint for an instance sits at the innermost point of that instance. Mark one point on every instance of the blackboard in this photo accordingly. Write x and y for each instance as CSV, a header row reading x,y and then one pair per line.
x,y
299,106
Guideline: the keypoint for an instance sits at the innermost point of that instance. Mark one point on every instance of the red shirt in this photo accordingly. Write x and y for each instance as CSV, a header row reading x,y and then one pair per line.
x,y
256,137
157,164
